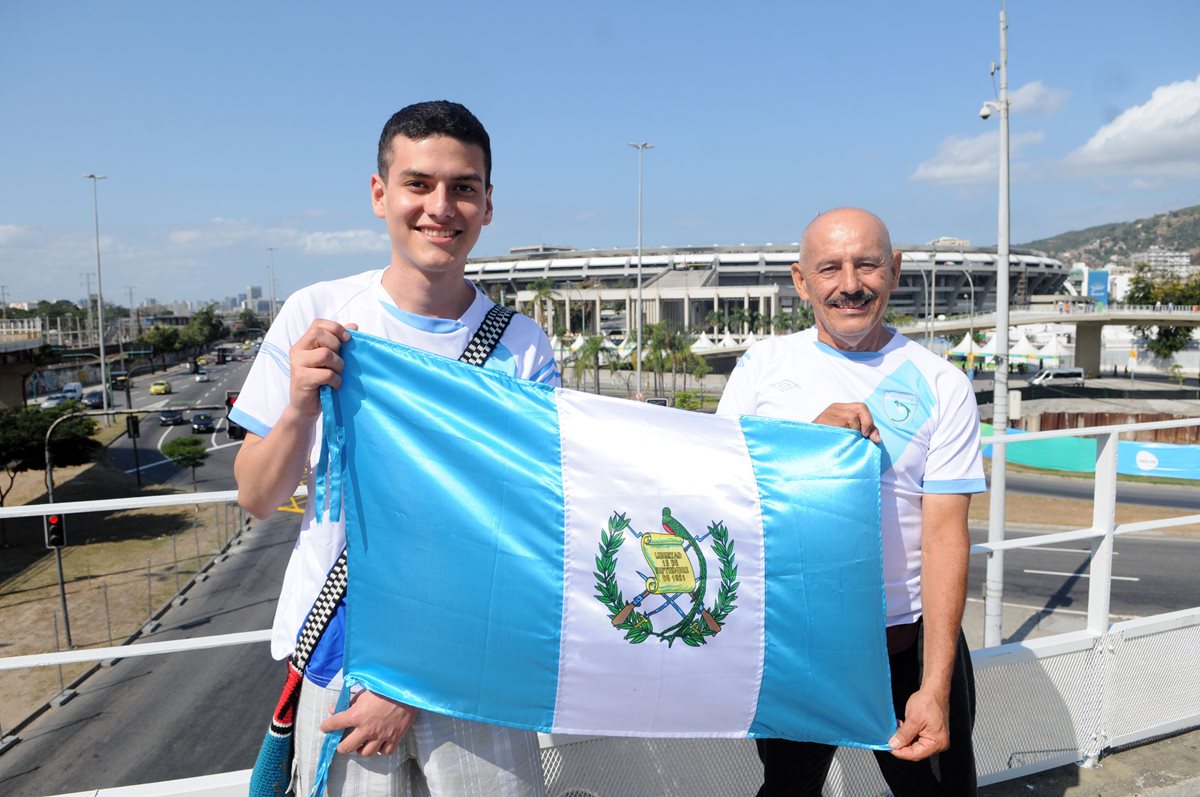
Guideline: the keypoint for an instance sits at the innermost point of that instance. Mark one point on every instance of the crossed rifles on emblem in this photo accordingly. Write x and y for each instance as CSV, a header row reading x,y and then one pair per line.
x,y
667,555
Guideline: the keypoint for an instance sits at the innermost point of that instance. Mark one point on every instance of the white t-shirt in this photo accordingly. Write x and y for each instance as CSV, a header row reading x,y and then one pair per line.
x,y
523,352
923,407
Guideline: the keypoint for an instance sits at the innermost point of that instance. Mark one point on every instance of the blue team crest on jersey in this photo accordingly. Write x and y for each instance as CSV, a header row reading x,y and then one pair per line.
x,y
899,406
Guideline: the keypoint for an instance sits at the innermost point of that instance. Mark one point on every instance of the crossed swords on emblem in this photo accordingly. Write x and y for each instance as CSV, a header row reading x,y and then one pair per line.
x,y
669,598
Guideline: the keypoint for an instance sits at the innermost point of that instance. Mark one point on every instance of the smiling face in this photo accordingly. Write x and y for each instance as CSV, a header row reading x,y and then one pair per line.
x,y
847,270
435,202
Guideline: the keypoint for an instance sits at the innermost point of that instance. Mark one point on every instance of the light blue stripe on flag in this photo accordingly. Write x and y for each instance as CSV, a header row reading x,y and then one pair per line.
x,y
472,618
698,576
820,519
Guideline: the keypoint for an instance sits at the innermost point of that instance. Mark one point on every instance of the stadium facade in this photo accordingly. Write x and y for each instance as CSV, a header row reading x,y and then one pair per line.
x,y
597,288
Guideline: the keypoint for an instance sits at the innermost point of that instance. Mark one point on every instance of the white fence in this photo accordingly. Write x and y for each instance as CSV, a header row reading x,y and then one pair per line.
x,y
1042,703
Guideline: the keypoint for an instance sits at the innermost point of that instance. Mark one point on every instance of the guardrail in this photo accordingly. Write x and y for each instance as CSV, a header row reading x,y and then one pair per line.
x,y
1042,703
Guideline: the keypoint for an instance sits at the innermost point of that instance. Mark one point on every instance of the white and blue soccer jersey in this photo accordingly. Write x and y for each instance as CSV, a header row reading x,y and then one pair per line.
x,y
923,407
523,352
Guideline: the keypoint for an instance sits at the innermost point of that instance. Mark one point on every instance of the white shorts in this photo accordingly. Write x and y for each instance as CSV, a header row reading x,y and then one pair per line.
x,y
439,757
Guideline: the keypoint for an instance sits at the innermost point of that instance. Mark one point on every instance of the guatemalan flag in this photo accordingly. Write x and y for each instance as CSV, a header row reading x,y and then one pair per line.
x,y
569,563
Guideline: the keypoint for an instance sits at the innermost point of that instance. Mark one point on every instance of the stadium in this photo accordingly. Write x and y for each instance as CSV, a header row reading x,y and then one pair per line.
x,y
595,291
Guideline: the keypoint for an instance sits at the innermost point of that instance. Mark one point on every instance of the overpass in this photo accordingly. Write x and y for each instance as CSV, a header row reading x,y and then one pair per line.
x,y
1088,322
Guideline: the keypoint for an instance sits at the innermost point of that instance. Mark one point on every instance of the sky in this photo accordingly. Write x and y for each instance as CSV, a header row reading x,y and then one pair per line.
x,y
226,129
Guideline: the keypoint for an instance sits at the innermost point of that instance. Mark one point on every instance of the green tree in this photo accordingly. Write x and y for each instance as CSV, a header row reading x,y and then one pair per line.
x,y
1150,288
205,327
186,452
23,443
716,320
163,340
248,321
543,291
587,358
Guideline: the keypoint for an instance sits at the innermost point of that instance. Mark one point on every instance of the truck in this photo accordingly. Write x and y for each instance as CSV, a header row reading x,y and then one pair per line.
x,y
234,431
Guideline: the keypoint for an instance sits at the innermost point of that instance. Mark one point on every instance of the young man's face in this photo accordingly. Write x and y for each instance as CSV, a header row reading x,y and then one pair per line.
x,y
434,201
848,274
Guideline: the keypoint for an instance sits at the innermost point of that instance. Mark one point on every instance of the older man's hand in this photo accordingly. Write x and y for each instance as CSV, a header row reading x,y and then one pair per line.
x,y
854,416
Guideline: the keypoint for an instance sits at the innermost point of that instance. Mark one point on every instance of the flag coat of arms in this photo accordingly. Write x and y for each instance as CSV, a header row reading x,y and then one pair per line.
x,y
570,563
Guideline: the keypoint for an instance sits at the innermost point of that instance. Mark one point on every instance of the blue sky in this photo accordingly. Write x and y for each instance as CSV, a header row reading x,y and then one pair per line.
x,y
227,128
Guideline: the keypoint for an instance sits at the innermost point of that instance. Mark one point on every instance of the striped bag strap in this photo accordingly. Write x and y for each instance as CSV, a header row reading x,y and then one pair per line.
x,y
479,348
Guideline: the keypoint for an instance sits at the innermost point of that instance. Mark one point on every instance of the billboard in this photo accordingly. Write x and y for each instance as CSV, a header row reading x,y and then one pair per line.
x,y
1097,286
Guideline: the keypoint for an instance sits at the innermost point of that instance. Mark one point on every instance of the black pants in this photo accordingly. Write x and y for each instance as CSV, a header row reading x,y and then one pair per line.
x,y
799,768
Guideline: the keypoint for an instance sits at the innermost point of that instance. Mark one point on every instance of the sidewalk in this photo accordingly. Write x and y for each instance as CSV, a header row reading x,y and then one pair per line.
x,y
1169,767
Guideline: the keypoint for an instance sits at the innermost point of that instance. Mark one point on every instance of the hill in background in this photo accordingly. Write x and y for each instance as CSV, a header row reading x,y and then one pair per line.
x,y
1175,230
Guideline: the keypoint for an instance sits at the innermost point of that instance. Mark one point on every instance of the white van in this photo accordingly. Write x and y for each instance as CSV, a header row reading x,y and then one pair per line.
x,y
73,389
1067,377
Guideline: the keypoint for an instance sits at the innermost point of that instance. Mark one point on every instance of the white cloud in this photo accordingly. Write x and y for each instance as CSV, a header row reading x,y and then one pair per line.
x,y
219,233
344,242
1159,137
971,160
1037,98
11,233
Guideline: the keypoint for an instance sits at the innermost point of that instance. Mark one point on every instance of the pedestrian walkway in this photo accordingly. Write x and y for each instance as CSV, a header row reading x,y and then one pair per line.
x,y
1169,767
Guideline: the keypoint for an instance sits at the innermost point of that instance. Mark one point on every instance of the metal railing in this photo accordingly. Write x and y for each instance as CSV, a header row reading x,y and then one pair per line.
x,y
1042,703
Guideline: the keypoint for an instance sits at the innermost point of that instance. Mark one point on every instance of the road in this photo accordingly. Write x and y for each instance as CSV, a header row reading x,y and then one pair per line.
x,y
172,716
186,393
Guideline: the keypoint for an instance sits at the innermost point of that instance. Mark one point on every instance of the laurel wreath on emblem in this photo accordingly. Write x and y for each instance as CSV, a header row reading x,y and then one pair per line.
x,y
696,625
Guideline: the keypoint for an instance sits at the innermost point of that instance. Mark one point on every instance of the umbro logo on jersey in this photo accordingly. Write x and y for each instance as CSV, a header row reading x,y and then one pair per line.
x,y
899,406
786,384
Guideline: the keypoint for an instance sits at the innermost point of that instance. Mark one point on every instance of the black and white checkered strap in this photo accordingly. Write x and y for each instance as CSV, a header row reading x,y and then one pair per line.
x,y
480,347
488,335
331,594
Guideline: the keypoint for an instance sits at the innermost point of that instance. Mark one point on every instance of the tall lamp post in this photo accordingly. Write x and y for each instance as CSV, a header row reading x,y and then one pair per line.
x,y
641,148
95,178
271,285
993,606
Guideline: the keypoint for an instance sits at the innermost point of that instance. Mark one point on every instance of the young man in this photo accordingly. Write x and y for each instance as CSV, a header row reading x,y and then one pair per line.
x,y
434,191
852,371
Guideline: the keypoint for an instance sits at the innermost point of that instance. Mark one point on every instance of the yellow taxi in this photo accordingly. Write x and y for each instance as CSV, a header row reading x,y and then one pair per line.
x,y
160,388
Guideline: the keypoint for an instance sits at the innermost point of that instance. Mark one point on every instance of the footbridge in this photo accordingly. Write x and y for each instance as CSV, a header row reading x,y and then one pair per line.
x,y
1088,321
1064,698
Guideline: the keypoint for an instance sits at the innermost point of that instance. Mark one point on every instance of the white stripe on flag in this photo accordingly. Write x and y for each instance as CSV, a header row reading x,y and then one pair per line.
x,y
697,466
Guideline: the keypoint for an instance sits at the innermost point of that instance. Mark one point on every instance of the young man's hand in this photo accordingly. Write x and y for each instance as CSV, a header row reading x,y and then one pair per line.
x,y
373,724
315,362
854,416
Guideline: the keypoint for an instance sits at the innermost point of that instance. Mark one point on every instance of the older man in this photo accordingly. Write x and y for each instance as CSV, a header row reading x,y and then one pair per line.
x,y
853,371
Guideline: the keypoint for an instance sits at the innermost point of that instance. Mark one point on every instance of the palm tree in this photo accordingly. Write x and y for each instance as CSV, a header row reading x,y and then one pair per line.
x,y
543,291
715,319
740,319
588,357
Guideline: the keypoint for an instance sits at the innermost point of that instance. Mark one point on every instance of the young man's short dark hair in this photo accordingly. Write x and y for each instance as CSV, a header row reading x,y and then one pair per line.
x,y
424,120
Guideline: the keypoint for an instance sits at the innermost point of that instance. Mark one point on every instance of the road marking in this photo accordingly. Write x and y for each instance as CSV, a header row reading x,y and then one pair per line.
x,y
148,465
1080,612
1080,575
1068,550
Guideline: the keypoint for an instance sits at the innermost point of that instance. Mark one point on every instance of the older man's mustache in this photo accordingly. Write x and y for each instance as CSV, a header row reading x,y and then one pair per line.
x,y
855,299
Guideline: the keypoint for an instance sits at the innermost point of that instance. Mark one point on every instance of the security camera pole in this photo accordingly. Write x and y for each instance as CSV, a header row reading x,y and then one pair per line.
x,y
993,592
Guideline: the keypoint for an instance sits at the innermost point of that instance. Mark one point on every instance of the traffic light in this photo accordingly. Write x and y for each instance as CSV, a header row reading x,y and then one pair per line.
x,y
56,531
230,398
132,427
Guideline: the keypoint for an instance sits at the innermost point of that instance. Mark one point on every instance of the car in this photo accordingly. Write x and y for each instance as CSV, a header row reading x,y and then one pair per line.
x,y
202,422
201,360
53,400
160,388
93,399
202,376
1067,377
170,418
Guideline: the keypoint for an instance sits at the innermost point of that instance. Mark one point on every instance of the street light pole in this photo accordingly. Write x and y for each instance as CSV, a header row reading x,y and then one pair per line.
x,y
95,178
993,593
271,280
641,148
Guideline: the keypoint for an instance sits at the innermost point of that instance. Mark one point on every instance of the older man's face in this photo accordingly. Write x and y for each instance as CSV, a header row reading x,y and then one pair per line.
x,y
848,274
